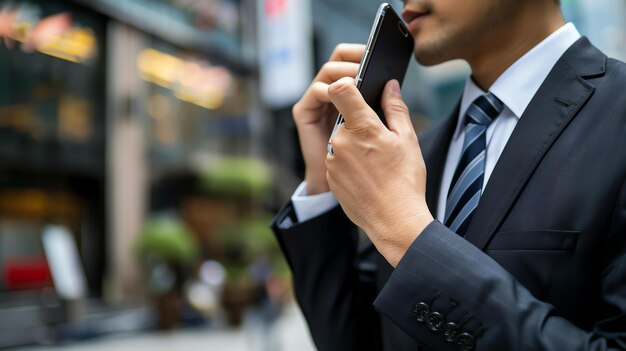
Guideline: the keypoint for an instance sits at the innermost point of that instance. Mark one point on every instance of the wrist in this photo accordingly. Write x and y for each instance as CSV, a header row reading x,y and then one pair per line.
x,y
403,233
315,185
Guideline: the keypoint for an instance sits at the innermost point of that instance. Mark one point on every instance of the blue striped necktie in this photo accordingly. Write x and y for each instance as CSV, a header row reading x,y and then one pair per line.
x,y
467,183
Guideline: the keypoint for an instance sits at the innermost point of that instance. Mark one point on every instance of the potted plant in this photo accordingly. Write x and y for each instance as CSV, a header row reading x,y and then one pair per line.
x,y
166,250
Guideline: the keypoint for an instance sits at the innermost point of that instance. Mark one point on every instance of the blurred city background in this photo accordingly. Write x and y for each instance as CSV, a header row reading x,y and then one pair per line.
x,y
145,146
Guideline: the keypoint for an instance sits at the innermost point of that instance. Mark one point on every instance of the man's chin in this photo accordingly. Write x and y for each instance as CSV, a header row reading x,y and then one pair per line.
x,y
425,58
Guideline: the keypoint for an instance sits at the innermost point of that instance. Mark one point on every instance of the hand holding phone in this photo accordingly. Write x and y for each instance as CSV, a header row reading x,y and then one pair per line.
x,y
387,54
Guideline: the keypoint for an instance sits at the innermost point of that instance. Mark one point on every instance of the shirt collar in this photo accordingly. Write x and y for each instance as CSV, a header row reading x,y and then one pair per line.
x,y
519,83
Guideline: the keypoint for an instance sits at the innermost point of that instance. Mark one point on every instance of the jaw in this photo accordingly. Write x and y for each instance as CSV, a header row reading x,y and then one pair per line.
x,y
489,35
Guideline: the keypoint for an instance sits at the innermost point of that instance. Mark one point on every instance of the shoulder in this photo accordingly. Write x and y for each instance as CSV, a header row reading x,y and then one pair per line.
x,y
615,81
616,71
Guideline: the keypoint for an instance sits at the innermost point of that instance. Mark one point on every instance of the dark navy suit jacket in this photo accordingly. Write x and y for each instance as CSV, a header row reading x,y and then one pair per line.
x,y
543,264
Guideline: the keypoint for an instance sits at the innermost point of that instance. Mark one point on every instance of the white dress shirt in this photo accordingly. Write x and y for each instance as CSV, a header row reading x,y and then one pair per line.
x,y
515,88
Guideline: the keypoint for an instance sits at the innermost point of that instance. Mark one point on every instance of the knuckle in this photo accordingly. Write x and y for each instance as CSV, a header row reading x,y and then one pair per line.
x,y
411,135
338,144
396,144
369,123
340,87
336,88
327,66
369,149
364,128
398,106
341,47
295,108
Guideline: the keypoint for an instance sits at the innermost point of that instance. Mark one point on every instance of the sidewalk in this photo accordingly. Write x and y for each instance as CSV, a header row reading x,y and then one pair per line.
x,y
289,333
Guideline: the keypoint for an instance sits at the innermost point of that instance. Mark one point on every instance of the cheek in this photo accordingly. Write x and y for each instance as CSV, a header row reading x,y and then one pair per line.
x,y
460,11
456,16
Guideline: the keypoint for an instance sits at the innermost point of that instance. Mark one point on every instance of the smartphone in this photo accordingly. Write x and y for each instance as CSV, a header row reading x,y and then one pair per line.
x,y
387,53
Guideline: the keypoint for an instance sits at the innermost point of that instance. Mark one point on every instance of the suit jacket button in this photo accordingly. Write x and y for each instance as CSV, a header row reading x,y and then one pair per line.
x,y
435,321
421,311
449,331
465,342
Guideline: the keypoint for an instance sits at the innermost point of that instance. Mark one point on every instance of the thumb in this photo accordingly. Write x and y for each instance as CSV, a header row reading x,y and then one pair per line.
x,y
350,103
395,110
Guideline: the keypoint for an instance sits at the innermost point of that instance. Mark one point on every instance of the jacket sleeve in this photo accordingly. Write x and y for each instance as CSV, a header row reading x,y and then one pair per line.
x,y
333,280
449,295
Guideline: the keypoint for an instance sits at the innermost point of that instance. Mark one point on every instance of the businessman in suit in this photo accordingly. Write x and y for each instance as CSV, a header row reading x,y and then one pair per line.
x,y
516,237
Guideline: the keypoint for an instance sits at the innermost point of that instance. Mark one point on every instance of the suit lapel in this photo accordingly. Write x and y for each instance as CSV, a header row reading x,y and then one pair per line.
x,y
434,144
555,104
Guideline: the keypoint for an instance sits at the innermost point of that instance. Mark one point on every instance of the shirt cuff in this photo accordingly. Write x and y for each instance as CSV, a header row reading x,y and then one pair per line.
x,y
311,206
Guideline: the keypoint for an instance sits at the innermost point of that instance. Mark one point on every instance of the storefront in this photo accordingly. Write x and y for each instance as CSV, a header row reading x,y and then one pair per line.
x,y
52,168
96,127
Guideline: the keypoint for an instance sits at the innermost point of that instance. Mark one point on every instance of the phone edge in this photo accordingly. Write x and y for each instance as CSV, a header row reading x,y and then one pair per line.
x,y
378,20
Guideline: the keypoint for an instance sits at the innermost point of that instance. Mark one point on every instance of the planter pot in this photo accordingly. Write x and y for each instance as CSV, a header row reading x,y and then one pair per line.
x,y
236,297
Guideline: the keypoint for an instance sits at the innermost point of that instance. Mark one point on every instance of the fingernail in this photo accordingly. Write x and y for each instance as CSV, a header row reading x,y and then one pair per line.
x,y
395,87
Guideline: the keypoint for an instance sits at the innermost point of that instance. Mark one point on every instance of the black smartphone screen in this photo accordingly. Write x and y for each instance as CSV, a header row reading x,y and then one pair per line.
x,y
387,57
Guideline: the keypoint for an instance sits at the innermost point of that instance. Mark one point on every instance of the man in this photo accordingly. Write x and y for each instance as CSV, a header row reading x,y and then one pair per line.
x,y
516,239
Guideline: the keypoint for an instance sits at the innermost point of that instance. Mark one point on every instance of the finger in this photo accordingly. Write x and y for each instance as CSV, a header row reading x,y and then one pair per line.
x,y
350,103
395,110
334,70
348,52
320,92
317,95
345,64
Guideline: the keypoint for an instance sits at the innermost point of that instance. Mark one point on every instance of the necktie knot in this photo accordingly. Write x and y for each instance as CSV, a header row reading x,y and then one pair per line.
x,y
484,110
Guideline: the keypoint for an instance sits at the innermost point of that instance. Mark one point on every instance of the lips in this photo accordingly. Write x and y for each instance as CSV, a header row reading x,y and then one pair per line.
x,y
414,17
